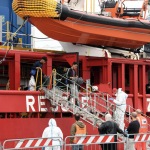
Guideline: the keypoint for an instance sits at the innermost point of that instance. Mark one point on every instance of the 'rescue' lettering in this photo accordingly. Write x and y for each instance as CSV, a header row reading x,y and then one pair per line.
x,y
31,105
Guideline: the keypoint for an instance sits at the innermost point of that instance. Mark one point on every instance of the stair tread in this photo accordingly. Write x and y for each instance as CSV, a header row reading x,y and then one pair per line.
x,y
86,114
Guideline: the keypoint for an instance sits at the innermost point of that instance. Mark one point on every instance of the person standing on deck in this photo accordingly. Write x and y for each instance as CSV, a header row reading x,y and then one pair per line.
x,y
120,102
38,65
110,127
77,129
143,129
52,131
72,77
132,129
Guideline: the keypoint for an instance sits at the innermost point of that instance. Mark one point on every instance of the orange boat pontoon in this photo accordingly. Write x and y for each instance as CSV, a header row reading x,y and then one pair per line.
x,y
61,23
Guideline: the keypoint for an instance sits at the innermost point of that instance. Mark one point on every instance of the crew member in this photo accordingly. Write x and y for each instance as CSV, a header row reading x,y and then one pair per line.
x,y
132,129
77,129
120,102
110,127
143,129
55,133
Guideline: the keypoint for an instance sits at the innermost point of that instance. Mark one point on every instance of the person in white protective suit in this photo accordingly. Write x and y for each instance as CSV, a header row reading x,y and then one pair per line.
x,y
54,132
32,83
120,102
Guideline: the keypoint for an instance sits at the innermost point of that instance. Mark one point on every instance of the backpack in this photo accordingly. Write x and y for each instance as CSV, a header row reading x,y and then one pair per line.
x,y
79,80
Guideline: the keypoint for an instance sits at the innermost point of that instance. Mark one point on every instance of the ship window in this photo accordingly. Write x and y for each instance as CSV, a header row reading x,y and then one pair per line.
x,y
140,82
3,76
96,75
147,78
25,75
115,75
127,79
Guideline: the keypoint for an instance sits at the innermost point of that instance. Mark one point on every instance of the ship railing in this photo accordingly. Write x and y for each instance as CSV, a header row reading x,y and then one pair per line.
x,y
57,98
33,143
39,70
129,110
97,95
14,39
95,103
99,100
96,142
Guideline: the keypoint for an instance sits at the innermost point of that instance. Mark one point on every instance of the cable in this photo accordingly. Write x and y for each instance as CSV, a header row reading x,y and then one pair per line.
x,y
3,59
11,43
29,35
4,24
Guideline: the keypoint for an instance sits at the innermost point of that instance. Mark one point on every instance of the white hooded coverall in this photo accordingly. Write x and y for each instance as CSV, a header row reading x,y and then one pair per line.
x,y
120,102
32,84
53,131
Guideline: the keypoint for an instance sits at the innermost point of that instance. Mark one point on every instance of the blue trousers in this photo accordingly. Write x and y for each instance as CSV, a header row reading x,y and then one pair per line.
x,y
77,147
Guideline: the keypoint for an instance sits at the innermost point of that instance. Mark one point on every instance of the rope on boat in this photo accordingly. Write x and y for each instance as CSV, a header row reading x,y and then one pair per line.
x,y
36,8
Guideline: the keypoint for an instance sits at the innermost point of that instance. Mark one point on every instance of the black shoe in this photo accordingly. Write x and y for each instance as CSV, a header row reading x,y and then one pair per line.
x,y
69,98
77,103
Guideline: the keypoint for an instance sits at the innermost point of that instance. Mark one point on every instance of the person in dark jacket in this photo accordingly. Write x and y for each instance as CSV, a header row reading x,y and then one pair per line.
x,y
38,65
110,127
133,128
72,76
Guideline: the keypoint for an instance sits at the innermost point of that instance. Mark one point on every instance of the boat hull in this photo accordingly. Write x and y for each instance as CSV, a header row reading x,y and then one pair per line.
x,y
76,31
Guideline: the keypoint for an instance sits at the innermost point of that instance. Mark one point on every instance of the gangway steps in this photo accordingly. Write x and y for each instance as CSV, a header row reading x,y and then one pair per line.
x,y
56,98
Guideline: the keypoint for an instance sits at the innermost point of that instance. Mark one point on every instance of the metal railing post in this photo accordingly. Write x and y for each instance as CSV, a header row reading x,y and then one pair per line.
x,y
67,90
8,34
37,74
129,113
107,105
54,83
74,99
94,103
87,86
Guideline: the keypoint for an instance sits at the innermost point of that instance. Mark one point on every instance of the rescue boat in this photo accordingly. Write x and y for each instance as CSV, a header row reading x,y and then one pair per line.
x,y
124,28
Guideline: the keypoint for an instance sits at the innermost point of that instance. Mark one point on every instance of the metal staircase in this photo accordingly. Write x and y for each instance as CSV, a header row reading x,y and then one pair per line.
x,y
90,112
56,97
